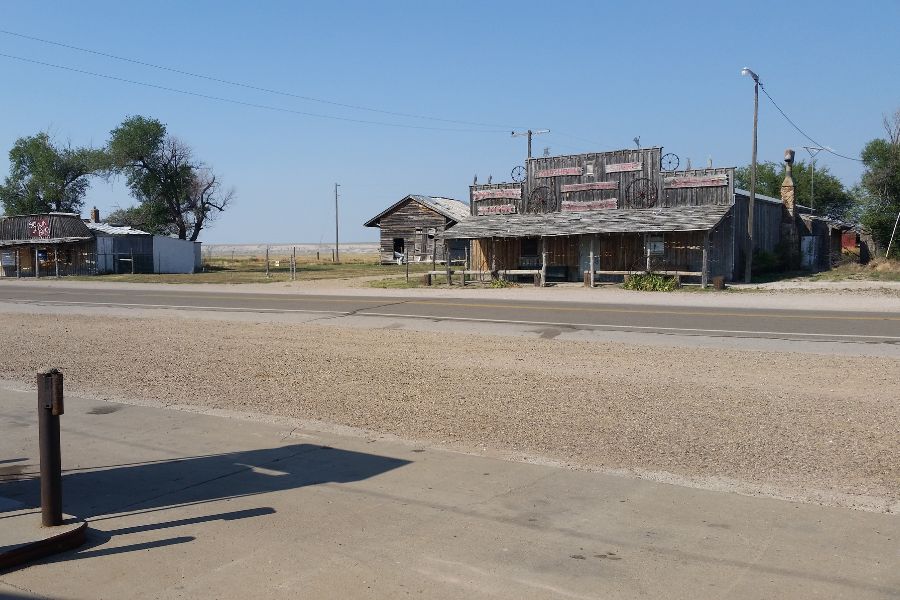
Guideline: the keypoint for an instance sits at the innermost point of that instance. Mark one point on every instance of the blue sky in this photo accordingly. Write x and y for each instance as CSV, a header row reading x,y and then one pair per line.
x,y
596,74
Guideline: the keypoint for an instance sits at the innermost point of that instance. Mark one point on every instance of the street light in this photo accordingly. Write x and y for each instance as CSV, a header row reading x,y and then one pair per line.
x,y
749,250
813,151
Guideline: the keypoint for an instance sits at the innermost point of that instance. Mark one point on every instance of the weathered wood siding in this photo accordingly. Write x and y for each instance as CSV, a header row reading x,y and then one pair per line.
x,y
507,252
411,222
766,229
480,196
677,189
566,177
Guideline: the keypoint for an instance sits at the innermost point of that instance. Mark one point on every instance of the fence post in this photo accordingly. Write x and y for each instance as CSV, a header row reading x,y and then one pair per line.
x,y
50,406
267,261
132,261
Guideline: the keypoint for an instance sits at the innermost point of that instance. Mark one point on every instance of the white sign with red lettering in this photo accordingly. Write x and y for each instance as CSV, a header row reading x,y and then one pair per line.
x,y
607,204
498,209
597,185
514,193
623,167
560,172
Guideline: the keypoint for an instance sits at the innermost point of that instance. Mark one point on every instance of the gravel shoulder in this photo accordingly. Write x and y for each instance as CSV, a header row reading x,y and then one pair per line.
x,y
807,427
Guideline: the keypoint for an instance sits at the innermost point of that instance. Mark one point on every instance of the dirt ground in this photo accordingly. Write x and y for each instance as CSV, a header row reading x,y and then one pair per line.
x,y
811,427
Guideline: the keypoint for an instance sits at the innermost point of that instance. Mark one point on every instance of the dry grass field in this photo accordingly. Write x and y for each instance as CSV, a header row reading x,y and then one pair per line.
x,y
252,269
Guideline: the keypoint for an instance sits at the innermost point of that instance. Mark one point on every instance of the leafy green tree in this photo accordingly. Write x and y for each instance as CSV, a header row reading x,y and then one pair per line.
x,y
879,198
48,178
831,198
176,193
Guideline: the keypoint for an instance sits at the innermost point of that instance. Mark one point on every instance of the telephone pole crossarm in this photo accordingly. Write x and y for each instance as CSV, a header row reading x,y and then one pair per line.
x,y
529,134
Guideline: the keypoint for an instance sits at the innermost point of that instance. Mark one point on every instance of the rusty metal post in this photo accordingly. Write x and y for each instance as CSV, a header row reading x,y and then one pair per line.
x,y
56,261
50,407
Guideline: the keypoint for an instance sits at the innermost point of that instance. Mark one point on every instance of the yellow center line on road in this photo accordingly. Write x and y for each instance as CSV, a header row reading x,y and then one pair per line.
x,y
576,309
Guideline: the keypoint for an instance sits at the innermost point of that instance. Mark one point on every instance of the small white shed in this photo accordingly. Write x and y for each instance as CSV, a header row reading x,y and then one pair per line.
x,y
122,249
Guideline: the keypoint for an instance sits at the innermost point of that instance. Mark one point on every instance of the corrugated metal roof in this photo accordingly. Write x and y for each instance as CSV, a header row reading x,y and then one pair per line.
x,y
108,229
683,218
447,207
45,228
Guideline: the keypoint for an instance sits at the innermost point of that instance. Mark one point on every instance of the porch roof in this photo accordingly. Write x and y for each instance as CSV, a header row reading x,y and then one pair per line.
x,y
682,218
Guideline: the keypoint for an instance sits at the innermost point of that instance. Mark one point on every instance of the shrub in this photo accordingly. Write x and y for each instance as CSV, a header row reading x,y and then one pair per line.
x,y
651,282
503,283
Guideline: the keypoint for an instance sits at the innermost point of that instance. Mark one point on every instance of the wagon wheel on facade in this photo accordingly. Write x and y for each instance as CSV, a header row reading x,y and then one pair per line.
x,y
640,193
518,174
541,200
669,162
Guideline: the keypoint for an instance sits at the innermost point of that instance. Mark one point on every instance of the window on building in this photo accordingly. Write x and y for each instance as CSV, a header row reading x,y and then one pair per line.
x,y
530,247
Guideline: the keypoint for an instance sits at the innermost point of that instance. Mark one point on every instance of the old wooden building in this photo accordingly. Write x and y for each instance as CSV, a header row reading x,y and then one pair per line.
x,y
626,210
45,244
411,229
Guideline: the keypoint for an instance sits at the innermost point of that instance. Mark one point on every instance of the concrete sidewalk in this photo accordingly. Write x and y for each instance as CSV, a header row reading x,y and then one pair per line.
x,y
183,505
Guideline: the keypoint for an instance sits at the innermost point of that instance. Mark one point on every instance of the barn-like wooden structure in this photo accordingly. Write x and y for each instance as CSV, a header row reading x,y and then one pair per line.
x,y
411,229
628,213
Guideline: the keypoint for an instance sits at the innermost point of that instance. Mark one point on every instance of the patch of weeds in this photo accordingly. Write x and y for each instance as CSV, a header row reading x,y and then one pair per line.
x,y
651,282
503,283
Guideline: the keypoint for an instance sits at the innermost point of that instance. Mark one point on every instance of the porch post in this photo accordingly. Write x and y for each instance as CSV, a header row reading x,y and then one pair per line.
x,y
446,261
56,260
591,268
493,259
647,252
543,261
18,264
37,265
704,280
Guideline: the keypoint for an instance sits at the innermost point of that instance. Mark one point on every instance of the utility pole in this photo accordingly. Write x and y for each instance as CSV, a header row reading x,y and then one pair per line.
x,y
529,134
748,265
337,250
813,151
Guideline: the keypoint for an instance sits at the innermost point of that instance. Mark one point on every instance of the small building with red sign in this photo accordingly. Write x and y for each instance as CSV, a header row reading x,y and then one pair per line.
x,y
45,244
411,227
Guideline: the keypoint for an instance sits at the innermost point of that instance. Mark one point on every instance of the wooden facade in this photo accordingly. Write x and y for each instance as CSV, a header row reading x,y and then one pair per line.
x,y
588,186
44,245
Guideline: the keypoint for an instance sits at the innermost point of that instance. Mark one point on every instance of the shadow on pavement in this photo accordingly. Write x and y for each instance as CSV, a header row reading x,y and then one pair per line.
x,y
141,487
104,492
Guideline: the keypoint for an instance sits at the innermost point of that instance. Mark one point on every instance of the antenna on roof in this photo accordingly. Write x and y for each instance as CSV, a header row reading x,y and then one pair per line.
x,y
709,162
490,177
637,141
687,167
475,180
546,150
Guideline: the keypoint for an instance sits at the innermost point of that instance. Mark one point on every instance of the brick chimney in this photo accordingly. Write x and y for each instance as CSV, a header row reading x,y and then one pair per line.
x,y
790,235
95,215
788,190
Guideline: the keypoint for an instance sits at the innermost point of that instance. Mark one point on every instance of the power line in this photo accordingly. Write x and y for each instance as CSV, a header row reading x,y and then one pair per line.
x,y
243,103
803,133
247,85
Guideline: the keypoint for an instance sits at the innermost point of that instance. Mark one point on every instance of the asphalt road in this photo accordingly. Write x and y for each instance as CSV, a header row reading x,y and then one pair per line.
x,y
836,326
